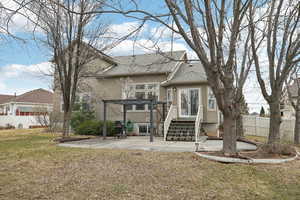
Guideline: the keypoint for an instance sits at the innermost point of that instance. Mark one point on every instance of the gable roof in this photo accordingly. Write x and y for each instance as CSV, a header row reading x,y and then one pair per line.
x,y
188,73
34,96
145,64
93,49
5,98
101,55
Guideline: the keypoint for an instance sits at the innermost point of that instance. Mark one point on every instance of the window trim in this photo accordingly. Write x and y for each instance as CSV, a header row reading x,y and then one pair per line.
x,y
215,107
145,124
169,101
146,90
80,95
179,99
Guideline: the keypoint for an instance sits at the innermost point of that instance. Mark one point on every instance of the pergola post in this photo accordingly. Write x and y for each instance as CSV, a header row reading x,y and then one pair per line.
x,y
104,120
124,120
163,116
125,102
151,120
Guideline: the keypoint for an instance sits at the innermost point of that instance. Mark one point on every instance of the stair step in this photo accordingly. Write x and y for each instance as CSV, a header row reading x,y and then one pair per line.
x,y
181,127
188,122
181,130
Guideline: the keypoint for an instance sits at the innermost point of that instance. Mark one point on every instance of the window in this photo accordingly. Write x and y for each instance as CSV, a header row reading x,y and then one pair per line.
x,y
62,105
143,129
169,97
140,87
141,91
152,86
83,101
152,95
86,102
140,95
128,93
211,100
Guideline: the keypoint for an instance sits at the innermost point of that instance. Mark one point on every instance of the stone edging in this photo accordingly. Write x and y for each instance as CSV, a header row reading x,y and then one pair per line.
x,y
250,161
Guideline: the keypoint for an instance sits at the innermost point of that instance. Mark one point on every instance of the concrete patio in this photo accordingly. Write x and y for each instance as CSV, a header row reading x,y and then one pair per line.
x,y
142,143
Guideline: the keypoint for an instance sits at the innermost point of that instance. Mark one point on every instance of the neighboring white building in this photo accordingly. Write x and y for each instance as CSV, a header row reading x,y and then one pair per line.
x,y
21,111
287,110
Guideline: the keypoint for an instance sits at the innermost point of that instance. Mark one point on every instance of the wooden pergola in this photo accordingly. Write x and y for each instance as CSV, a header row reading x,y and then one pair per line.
x,y
124,103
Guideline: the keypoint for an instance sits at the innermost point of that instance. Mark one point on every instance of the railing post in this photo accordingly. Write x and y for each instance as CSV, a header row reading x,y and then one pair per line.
x,y
171,114
151,121
124,132
164,117
104,120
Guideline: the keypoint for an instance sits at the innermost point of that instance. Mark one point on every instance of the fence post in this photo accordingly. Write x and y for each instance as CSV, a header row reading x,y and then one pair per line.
x,y
255,125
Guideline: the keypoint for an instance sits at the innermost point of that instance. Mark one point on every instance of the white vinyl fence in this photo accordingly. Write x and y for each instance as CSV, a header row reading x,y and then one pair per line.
x,y
259,126
18,121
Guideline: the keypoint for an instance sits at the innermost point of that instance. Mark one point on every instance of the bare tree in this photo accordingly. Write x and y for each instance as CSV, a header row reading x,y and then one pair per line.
x,y
282,39
208,27
71,30
69,38
211,29
6,15
42,116
243,64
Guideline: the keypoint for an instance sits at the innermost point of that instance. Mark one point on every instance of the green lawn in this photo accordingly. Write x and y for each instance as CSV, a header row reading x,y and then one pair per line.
x,y
33,167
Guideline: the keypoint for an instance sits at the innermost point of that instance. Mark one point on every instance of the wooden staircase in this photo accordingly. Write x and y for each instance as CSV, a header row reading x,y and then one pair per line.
x,y
181,130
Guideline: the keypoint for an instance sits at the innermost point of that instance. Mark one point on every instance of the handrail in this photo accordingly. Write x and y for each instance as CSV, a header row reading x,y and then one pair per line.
x,y
198,122
170,116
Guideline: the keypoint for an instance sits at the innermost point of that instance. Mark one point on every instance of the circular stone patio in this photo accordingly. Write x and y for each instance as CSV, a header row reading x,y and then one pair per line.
x,y
142,143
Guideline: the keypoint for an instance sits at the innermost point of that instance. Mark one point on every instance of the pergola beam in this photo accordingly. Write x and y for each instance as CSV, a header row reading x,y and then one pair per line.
x,y
125,102
124,120
133,101
104,120
151,121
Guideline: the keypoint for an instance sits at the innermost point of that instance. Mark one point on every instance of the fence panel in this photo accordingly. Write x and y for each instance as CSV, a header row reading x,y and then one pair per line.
x,y
259,126
18,121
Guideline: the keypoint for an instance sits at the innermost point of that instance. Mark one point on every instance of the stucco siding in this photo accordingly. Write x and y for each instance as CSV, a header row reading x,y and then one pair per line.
x,y
111,88
210,116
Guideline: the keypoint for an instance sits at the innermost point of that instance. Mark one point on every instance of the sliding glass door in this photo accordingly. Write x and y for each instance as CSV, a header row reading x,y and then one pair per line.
x,y
189,102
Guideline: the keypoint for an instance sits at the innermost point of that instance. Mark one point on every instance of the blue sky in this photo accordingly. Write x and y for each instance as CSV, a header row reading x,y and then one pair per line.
x,y
21,61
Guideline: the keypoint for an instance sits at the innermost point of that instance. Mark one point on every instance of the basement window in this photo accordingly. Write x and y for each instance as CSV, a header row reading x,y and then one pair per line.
x,y
211,102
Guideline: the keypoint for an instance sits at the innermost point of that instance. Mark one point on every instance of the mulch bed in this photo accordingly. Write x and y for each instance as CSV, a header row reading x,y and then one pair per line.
x,y
70,139
239,139
258,154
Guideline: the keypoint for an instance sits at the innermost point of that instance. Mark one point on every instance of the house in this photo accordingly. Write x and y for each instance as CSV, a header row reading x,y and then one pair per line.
x,y
20,111
287,110
165,77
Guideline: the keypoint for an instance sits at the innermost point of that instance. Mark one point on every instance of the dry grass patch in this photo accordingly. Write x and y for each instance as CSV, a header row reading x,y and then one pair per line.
x,y
33,167
258,139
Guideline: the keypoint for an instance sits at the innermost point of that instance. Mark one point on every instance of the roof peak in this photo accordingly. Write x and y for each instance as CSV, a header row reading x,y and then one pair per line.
x,y
152,53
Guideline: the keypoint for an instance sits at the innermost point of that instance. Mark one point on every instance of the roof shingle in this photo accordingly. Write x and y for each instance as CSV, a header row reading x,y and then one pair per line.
x,y
188,73
5,98
34,96
145,63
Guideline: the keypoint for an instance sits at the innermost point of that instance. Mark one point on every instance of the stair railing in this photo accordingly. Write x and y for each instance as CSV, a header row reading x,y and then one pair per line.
x,y
170,116
199,120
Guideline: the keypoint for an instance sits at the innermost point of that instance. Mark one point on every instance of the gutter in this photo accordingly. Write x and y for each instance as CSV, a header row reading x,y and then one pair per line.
x,y
131,74
182,83
177,66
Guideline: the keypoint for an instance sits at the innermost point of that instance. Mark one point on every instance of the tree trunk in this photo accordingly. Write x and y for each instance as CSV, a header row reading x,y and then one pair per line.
x,y
229,135
66,123
239,126
275,121
239,122
297,126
